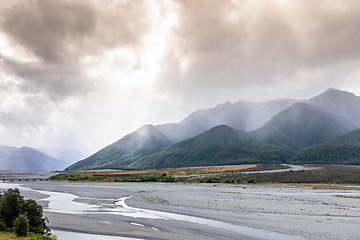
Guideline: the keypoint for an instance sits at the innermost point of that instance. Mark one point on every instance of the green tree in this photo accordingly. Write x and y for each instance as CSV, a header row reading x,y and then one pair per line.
x,y
21,225
14,209
11,205
37,223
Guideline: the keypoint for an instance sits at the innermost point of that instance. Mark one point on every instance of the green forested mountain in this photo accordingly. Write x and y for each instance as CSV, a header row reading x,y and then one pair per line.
x,y
287,127
299,126
218,146
342,150
125,151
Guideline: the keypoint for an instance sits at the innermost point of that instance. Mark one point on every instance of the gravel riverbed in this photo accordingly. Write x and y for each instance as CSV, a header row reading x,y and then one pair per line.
x,y
198,211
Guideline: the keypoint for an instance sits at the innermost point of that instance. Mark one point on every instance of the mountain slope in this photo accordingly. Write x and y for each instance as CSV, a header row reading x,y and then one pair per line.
x,y
241,115
30,159
5,150
342,150
299,126
341,103
218,146
125,151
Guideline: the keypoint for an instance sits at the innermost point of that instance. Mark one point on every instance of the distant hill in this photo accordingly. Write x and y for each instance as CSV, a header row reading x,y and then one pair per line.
x,y
342,150
5,150
29,159
220,145
299,126
125,151
242,115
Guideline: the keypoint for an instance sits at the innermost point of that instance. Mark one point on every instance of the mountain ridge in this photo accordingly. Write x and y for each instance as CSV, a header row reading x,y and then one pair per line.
x,y
221,145
311,122
126,150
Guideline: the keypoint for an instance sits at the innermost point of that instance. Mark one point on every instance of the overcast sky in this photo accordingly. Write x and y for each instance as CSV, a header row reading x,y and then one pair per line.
x,y
82,74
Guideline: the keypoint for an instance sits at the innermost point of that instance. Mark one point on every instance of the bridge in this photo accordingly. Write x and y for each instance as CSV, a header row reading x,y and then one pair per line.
x,y
24,179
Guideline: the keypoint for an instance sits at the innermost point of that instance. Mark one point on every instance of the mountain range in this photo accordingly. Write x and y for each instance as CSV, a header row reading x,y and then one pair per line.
x,y
31,159
278,131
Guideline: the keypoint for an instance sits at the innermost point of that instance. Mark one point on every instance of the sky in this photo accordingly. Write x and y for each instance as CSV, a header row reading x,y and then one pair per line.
x,y
82,74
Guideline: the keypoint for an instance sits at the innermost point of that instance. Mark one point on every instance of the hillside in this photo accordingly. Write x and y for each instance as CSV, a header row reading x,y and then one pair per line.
x,y
299,126
125,151
342,150
30,159
341,103
5,150
220,145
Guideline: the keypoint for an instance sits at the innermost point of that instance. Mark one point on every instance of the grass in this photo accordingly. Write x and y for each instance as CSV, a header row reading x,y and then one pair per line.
x,y
8,235
174,171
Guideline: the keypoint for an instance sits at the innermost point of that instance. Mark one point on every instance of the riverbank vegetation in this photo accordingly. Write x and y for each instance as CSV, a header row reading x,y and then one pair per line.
x,y
310,174
21,217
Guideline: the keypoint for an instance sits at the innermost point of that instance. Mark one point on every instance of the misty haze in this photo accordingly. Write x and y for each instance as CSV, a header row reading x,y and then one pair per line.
x,y
180,119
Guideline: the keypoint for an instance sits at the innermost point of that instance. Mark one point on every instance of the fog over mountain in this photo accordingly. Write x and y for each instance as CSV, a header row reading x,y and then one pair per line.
x,y
289,127
30,159
81,74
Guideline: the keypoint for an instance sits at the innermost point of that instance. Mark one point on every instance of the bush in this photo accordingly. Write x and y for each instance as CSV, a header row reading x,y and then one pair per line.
x,y
21,225
2,226
212,180
251,180
229,181
168,178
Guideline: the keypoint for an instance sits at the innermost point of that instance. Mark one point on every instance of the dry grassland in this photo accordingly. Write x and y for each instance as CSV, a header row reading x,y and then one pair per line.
x,y
174,171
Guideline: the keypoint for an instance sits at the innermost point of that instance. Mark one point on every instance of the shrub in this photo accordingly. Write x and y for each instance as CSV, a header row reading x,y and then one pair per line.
x,y
212,180
229,181
2,226
251,180
168,178
21,225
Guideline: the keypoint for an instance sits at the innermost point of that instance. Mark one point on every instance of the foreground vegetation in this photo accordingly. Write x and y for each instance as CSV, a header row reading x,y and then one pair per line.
x,y
312,174
24,218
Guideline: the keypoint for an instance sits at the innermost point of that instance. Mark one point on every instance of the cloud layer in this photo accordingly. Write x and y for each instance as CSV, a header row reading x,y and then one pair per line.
x,y
84,73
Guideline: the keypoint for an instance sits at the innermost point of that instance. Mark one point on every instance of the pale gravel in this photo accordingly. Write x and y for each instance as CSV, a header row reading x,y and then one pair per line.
x,y
289,209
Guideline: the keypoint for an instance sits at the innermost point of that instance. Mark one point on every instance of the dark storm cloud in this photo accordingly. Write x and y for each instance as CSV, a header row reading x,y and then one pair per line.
x,y
233,45
61,33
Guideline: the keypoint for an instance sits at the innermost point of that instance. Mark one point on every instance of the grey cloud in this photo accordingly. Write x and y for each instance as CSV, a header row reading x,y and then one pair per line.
x,y
44,27
265,44
62,33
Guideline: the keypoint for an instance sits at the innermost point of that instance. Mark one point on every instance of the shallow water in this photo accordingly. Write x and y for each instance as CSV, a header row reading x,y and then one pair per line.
x,y
84,236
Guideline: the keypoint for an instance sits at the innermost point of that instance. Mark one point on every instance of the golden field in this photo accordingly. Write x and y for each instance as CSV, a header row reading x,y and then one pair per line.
x,y
174,171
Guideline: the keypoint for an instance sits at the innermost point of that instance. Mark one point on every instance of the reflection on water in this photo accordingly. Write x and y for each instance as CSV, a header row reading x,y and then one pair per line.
x,y
62,235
